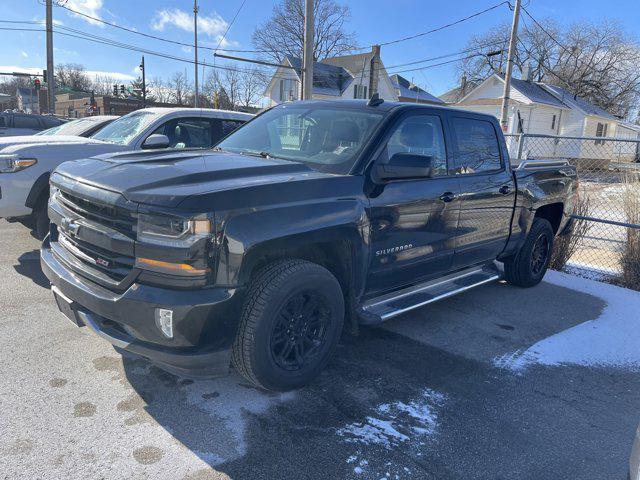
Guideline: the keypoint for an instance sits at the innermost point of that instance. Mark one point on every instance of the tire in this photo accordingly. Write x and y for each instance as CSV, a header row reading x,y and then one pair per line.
x,y
528,267
272,317
41,219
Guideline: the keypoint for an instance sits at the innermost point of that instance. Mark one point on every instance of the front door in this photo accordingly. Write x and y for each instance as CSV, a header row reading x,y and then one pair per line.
x,y
413,222
487,186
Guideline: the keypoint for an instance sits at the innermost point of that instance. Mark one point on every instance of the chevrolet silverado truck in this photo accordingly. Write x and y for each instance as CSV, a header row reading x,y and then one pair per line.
x,y
312,217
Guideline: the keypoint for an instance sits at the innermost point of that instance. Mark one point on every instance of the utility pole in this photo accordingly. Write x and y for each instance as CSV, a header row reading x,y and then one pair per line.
x,y
307,75
144,84
507,77
195,49
51,86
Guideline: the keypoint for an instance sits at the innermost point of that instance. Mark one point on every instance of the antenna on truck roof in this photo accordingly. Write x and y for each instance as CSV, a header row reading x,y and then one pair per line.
x,y
375,100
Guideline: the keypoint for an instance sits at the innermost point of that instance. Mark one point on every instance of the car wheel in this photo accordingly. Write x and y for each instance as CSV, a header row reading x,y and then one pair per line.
x,y
290,325
41,219
528,267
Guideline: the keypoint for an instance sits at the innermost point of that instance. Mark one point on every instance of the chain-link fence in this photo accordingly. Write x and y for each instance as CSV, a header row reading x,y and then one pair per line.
x,y
607,240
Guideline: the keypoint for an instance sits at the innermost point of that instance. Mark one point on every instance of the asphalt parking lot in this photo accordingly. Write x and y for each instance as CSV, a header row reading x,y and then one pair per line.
x,y
468,388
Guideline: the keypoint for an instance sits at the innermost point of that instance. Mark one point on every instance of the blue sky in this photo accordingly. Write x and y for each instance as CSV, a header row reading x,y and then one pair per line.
x,y
371,20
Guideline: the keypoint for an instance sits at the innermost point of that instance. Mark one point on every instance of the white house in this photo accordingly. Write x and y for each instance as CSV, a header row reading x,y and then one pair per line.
x,y
541,108
349,76
627,151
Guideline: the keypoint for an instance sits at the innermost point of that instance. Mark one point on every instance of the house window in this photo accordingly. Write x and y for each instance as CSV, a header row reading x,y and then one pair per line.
x,y
288,90
360,91
601,131
553,122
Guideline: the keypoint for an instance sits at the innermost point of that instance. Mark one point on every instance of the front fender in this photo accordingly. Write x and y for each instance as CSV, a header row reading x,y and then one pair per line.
x,y
249,236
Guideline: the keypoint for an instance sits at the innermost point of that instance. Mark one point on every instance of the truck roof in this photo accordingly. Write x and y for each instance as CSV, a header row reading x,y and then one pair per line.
x,y
388,106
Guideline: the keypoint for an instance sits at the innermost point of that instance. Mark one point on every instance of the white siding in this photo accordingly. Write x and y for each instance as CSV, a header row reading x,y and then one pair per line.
x,y
494,88
626,151
590,149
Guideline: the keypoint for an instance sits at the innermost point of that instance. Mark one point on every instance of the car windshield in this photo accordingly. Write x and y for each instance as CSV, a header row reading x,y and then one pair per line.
x,y
327,138
74,127
124,129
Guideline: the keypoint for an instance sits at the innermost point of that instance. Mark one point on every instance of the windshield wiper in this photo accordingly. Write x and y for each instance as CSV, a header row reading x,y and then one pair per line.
x,y
262,154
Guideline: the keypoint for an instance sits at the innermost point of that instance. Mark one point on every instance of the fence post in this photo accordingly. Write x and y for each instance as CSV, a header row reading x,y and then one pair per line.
x,y
520,145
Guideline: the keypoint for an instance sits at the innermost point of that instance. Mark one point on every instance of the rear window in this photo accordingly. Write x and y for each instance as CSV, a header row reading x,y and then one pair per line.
x,y
476,147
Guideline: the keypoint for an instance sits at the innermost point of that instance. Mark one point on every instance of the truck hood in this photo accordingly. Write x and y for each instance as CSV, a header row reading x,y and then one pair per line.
x,y
46,139
167,178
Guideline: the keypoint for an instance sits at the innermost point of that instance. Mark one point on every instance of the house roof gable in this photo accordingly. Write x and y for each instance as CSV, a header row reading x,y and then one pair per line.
x,y
327,79
404,88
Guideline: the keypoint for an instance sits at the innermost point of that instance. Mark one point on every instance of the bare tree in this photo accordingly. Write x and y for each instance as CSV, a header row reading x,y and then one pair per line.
x,y
252,86
283,33
179,88
158,88
11,86
103,84
73,76
596,61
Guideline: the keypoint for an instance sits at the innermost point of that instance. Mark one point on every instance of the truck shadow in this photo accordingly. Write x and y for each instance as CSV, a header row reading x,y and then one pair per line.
x,y
29,266
410,404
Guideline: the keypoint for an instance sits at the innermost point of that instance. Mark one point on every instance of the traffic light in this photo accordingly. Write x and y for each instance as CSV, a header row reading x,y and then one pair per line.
x,y
44,76
115,90
122,89
36,84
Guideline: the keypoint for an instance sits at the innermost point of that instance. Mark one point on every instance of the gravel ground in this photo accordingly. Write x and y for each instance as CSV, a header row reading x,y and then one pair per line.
x,y
422,397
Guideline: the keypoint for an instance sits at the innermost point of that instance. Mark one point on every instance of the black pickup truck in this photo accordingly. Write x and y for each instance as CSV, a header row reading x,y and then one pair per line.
x,y
311,217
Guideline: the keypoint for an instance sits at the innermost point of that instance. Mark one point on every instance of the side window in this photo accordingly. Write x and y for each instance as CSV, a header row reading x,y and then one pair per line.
x,y
2,122
25,121
475,145
229,126
50,122
187,133
420,135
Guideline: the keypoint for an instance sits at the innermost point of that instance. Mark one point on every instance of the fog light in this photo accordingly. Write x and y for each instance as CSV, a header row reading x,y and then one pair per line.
x,y
164,321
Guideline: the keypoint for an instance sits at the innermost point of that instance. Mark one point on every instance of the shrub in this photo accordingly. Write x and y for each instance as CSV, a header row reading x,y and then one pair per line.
x,y
630,258
566,245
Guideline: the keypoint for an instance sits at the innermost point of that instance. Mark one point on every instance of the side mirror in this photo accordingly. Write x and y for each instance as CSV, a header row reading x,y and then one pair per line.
x,y
402,166
156,141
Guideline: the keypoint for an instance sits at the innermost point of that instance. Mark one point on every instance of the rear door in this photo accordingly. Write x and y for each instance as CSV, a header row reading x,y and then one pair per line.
x,y
487,189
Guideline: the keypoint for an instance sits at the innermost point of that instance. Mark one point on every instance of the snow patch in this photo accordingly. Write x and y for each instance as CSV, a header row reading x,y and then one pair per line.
x,y
395,422
612,340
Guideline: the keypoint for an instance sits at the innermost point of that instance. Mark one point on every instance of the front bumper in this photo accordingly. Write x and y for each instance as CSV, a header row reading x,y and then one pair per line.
x,y
14,190
205,320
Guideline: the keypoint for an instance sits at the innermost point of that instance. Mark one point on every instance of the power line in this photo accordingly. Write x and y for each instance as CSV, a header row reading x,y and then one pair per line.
x,y
155,37
437,29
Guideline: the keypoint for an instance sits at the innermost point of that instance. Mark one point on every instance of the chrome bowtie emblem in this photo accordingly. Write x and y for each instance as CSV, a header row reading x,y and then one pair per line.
x,y
70,226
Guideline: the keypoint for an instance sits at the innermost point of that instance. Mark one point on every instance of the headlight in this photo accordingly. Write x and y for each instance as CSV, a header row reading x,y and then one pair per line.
x,y
171,229
12,163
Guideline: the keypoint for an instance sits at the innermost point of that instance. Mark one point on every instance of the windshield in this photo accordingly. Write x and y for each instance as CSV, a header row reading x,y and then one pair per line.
x,y
75,127
325,137
124,129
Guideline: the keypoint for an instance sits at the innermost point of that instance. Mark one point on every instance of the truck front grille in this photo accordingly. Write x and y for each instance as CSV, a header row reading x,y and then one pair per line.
x,y
94,239
114,217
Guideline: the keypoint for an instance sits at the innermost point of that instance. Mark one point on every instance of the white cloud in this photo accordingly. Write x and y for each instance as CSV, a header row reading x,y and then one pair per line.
x,y
113,75
88,7
212,26
24,54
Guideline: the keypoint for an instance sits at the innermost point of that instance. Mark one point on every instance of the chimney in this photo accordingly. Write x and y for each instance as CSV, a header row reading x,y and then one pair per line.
x,y
374,66
526,72
463,86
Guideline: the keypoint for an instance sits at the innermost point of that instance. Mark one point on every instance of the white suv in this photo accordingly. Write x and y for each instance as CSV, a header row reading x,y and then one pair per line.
x,y
25,168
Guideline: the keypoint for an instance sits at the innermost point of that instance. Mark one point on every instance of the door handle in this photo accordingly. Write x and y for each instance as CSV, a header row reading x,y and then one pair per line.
x,y
447,197
505,189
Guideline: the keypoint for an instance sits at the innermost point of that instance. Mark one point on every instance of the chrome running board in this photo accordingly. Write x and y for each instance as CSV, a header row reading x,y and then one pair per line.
x,y
379,309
